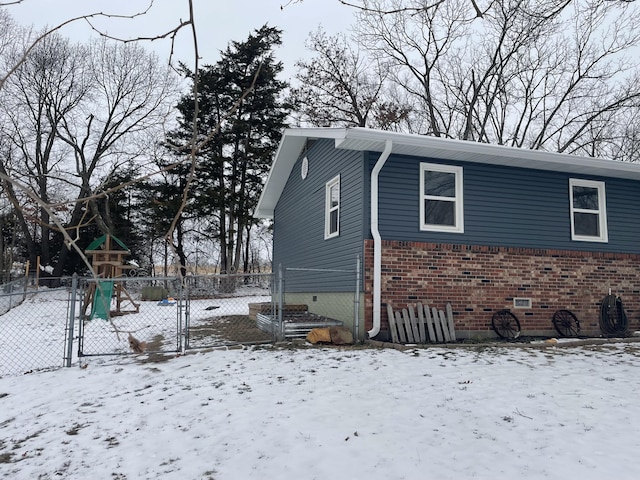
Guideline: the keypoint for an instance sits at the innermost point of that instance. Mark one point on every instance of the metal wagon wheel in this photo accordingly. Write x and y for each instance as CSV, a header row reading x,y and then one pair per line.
x,y
566,323
505,324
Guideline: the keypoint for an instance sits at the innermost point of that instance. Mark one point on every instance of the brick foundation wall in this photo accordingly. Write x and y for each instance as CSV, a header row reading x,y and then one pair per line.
x,y
480,280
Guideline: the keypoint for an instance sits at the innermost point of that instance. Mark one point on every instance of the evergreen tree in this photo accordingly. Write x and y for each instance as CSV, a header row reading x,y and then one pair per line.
x,y
241,114
163,199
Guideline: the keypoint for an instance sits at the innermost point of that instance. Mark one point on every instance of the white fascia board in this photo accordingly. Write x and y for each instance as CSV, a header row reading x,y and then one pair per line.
x,y
467,151
365,139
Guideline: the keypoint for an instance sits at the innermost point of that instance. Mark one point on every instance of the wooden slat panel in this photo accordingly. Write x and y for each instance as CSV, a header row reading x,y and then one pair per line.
x,y
414,325
443,323
407,324
430,330
436,324
400,323
452,331
392,324
421,327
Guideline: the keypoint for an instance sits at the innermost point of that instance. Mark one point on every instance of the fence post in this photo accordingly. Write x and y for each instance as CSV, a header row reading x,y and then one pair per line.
x,y
70,321
183,328
26,287
356,303
280,335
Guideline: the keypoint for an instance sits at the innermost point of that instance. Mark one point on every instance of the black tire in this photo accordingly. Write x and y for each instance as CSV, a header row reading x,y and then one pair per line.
x,y
566,323
505,324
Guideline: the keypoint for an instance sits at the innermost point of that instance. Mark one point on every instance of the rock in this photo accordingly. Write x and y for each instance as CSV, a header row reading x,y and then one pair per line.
x,y
341,336
319,335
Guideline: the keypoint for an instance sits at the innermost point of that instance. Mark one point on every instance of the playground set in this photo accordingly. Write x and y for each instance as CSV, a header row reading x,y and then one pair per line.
x,y
107,258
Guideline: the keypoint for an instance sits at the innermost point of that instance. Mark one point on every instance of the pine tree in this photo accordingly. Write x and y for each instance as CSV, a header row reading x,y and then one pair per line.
x,y
240,98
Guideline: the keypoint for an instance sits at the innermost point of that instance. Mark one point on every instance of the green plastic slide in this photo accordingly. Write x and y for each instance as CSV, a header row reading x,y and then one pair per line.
x,y
102,300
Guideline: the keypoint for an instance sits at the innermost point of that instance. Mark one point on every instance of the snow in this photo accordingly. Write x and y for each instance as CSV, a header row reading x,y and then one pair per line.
x,y
303,412
46,268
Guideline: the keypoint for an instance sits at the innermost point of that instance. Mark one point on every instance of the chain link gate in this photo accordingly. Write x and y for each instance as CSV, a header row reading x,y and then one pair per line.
x,y
308,298
131,315
168,315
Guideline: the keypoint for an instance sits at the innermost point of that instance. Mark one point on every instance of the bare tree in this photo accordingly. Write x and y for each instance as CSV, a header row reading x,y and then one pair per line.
x,y
131,94
45,88
78,115
340,86
543,75
17,45
99,132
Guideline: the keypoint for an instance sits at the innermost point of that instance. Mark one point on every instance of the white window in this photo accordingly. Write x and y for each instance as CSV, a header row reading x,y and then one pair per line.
x,y
588,211
441,203
332,208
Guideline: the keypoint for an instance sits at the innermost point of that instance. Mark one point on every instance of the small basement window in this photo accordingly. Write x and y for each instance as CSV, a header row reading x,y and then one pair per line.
x,y
521,302
332,208
588,211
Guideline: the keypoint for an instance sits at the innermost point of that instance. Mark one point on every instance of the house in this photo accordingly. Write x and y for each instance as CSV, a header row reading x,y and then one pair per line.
x,y
435,220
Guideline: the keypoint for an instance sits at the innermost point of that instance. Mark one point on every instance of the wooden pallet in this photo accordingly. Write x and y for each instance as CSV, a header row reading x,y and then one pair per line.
x,y
421,324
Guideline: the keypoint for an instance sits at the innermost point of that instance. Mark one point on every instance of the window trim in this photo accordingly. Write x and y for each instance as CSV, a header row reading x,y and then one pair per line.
x,y
602,210
458,200
328,210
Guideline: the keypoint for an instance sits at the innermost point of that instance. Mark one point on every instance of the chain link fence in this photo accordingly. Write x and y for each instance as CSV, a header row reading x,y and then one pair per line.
x,y
33,328
43,328
307,298
222,310
50,327
13,294
161,315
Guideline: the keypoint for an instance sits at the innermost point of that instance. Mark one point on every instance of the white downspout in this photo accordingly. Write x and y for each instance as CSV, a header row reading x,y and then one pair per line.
x,y
377,240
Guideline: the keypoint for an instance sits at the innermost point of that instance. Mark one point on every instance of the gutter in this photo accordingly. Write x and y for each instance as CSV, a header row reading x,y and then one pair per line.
x,y
377,239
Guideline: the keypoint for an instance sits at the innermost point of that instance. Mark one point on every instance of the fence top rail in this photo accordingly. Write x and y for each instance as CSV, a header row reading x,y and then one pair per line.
x,y
30,289
17,280
176,279
134,278
125,279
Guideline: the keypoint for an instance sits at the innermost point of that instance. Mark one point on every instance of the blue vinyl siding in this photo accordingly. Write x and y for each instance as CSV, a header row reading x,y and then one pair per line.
x,y
299,219
505,206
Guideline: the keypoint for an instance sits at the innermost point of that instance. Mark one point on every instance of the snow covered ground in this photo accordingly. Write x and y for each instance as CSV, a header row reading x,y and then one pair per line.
x,y
327,413
310,412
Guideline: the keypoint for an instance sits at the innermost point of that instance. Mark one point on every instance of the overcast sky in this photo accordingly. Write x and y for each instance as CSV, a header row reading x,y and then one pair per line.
x,y
217,22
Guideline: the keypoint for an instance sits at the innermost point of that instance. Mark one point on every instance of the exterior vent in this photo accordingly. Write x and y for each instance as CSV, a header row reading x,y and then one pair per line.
x,y
521,303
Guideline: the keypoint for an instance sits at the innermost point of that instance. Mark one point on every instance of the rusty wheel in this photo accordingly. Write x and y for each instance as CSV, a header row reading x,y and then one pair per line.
x,y
505,324
566,323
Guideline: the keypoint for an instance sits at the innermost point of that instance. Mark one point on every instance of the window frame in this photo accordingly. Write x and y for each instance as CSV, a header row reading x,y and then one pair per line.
x,y
602,210
328,209
458,200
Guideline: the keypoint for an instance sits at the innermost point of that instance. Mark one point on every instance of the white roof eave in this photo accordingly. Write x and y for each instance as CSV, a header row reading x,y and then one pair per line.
x,y
291,145
364,139
467,151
